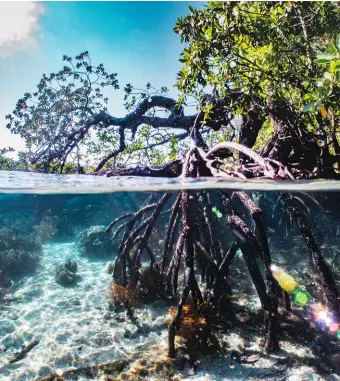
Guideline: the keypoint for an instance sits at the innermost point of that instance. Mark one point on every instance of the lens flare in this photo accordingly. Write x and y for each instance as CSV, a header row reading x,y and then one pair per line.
x,y
301,297
334,328
286,281
322,316
216,212
274,268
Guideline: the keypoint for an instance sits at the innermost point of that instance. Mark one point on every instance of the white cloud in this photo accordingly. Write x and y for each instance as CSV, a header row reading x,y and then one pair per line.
x,y
18,25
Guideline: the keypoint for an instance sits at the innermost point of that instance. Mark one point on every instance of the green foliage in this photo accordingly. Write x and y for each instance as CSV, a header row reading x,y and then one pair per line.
x,y
56,116
325,93
133,96
326,89
62,104
262,49
8,164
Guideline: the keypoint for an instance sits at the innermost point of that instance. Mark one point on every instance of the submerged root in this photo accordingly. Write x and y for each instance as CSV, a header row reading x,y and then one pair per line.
x,y
195,263
151,284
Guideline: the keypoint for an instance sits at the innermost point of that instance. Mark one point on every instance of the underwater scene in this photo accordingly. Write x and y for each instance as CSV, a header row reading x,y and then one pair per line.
x,y
200,284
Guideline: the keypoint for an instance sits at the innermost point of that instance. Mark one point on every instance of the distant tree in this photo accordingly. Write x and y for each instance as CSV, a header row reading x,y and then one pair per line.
x,y
66,121
8,164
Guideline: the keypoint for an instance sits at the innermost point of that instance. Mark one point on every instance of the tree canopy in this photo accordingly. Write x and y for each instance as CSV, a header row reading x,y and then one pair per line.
x,y
256,71
265,50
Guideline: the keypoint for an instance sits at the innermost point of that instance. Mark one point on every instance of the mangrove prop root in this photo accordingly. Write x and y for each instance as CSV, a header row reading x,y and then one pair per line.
x,y
286,298
272,343
251,248
170,228
118,230
168,268
123,258
177,260
191,282
212,228
113,223
321,268
249,245
153,218
225,264
192,237
219,284
175,323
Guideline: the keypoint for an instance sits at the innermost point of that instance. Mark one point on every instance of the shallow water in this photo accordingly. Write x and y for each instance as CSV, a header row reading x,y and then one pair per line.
x,y
37,183
46,220
73,325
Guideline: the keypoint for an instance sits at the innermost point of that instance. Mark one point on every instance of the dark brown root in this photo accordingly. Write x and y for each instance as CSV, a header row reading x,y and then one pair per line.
x,y
193,246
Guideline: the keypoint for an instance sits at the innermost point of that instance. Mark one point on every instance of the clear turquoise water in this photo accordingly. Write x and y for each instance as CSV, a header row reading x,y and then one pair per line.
x,y
75,326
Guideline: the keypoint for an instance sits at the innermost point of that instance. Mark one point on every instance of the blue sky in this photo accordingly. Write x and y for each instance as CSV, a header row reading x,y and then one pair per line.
x,y
134,39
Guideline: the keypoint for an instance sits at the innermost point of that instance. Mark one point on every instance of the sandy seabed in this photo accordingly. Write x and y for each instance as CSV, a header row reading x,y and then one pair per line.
x,y
73,324
75,329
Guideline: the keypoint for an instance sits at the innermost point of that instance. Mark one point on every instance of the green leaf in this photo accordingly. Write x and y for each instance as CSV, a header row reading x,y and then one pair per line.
x,y
308,107
280,10
328,75
326,91
332,49
333,66
208,33
324,57
337,75
326,83
337,42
